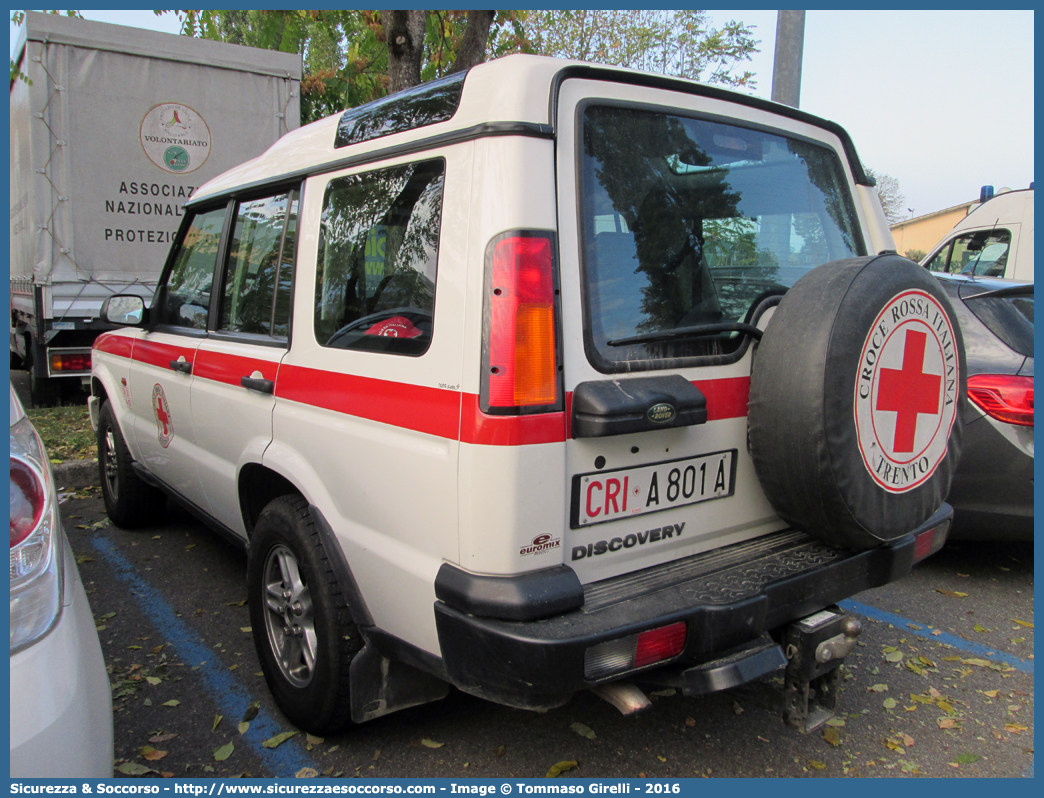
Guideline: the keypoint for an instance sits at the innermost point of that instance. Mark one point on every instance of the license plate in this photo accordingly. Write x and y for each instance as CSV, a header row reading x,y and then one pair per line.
x,y
624,492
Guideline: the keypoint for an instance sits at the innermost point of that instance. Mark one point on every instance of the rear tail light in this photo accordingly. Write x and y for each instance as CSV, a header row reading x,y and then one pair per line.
x,y
27,501
1005,397
80,361
635,651
520,360
930,541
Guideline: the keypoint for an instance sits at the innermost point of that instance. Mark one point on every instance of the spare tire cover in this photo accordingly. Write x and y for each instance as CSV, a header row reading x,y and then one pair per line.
x,y
855,401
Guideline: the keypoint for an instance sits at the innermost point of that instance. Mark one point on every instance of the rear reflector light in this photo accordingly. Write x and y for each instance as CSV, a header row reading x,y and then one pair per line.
x,y
522,368
1005,397
71,362
635,651
27,501
930,541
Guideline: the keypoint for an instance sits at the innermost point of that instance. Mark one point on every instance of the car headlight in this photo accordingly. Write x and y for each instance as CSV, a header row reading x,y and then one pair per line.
x,y
36,553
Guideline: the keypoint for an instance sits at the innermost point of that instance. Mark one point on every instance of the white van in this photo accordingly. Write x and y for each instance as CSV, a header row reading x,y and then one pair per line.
x,y
994,240
529,380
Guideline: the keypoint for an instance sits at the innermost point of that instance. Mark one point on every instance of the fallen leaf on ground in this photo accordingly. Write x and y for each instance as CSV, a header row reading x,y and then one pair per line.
x,y
889,703
966,759
661,758
582,730
979,628
1015,728
172,703
217,720
951,593
907,740
559,768
243,726
991,693
224,752
306,773
690,722
982,663
816,764
431,743
947,723
311,740
246,629
278,740
153,680
894,656
835,722
737,708
251,711
134,769
879,688
832,735
946,707
162,738
236,603
1027,624
150,754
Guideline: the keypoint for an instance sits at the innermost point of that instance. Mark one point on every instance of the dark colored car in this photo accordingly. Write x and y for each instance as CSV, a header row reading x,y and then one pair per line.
x,y
992,492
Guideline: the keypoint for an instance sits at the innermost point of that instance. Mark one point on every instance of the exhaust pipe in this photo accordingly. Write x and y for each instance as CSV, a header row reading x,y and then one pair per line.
x,y
625,696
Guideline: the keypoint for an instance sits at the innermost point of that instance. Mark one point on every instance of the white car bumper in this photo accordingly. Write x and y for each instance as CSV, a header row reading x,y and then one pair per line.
x,y
61,702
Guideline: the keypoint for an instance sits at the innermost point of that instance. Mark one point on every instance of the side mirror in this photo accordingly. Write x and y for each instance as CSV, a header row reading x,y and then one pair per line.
x,y
124,309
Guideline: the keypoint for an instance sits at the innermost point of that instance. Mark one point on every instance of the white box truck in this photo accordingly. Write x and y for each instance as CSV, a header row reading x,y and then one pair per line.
x,y
111,131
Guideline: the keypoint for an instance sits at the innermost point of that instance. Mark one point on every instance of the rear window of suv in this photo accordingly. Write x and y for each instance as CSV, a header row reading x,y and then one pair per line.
x,y
688,222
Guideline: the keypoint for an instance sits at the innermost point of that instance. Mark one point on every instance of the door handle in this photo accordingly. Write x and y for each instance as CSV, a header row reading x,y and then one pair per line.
x,y
184,366
259,385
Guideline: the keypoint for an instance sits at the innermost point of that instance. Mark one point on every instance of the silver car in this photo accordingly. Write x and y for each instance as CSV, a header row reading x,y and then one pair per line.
x,y
61,704
992,491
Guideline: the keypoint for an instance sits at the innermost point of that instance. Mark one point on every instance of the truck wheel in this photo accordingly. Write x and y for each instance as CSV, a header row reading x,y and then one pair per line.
x,y
129,501
855,401
303,629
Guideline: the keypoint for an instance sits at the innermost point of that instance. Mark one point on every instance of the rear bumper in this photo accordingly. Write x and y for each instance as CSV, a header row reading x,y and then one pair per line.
x,y
725,597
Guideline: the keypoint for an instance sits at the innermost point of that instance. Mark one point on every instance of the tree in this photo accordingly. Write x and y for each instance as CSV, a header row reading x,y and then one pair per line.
x,y
351,57
679,43
893,201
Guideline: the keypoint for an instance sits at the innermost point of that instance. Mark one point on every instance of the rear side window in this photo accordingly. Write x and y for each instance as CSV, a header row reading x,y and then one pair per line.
x,y
1010,318
256,296
984,254
185,300
378,251
690,222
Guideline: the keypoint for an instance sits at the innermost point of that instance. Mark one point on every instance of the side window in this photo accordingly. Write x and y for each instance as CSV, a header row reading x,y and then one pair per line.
x,y
984,254
186,297
378,250
259,274
942,257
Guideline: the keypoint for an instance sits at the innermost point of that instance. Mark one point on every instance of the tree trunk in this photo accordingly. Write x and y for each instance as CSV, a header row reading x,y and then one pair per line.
x,y
404,31
472,48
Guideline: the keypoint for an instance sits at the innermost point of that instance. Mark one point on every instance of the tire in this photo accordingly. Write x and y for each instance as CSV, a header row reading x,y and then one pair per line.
x,y
846,441
129,501
44,391
302,626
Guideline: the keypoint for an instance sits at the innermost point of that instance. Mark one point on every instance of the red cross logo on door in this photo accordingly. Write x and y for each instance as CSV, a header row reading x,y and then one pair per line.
x,y
909,392
164,422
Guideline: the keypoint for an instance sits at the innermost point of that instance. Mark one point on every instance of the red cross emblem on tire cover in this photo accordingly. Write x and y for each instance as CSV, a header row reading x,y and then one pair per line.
x,y
906,391
164,422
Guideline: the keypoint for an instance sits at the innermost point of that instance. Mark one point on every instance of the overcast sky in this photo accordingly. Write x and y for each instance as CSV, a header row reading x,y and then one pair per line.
x,y
940,100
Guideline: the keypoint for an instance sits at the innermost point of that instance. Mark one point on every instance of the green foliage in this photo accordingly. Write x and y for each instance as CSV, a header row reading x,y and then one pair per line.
x,y
916,254
65,431
18,18
346,56
679,43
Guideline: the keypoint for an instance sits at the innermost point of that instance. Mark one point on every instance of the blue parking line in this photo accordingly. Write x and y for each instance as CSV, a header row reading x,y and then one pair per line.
x,y
231,697
898,621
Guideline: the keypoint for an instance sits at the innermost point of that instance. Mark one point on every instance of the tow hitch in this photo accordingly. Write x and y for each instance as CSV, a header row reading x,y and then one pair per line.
x,y
815,646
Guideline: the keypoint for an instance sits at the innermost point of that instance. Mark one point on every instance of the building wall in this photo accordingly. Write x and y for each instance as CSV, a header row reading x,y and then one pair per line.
x,y
924,232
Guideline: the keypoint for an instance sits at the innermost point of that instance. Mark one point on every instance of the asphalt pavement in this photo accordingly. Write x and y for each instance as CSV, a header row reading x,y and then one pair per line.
x,y
940,685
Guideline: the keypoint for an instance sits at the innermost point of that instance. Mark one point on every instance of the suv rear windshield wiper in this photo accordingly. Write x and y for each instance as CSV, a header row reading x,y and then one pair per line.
x,y
690,332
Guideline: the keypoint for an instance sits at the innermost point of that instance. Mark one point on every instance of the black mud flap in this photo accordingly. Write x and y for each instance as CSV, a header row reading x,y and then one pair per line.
x,y
815,647
380,686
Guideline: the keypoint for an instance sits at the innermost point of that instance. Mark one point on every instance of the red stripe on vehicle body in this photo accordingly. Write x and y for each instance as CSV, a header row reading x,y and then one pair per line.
x,y
113,344
477,427
228,368
156,354
431,410
726,398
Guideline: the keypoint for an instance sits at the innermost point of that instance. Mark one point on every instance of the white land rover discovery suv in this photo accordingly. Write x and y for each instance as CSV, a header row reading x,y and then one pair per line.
x,y
532,380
